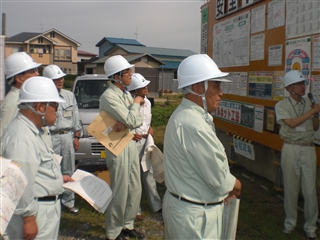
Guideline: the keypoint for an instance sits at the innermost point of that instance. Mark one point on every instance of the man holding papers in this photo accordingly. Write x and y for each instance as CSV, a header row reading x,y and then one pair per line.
x,y
196,167
37,214
124,169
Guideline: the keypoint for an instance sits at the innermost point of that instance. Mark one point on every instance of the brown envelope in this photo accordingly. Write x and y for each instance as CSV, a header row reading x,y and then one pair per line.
x,y
102,129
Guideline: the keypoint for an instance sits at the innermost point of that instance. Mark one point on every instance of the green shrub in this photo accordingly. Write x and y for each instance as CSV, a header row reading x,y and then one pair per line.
x,y
69,80
161,114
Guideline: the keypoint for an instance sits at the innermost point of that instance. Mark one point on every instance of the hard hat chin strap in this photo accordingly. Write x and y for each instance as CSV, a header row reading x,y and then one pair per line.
x,y
119,81
204,102
41,114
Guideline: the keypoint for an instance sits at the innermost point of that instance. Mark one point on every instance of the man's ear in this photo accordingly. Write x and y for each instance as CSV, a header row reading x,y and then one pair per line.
x,y
198,87
40,107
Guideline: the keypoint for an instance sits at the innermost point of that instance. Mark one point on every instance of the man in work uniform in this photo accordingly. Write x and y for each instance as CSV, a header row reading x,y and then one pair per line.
x,y
65,132
124,169
298,120
139,87
37,215
18,68
196,167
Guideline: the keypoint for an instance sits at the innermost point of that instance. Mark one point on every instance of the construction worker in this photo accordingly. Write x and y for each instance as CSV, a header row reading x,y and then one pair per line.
x,y
196,167
125,168
37,215
139,87
298,119
18,68
65,132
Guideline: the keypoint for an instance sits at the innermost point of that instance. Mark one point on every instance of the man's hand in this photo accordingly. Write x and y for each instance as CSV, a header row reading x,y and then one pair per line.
x,y
137,137
30,228
76,143
67,178
118,126
235,191
150,131
139,100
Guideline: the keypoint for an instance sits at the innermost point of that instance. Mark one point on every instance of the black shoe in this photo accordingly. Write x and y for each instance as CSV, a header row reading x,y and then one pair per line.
x,y
120,237
132,233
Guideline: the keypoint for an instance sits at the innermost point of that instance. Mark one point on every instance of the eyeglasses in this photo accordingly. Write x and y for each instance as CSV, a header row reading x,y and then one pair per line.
x,y
55,105
30,71
128,71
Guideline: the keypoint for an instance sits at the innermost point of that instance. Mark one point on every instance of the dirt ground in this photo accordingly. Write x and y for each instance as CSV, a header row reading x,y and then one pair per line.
x,y
261,215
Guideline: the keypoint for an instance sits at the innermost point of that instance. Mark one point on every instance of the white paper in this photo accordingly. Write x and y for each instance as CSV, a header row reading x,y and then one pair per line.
x,y
91,188
230,215
12,185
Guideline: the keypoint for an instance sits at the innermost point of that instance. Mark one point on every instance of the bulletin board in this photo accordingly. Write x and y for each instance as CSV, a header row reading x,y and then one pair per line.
x,y
257,43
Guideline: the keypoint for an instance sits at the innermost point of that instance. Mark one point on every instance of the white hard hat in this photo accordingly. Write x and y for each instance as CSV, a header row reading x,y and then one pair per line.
x,y
53,72
39,89
116,64
17,63
137,81
294,76
199,68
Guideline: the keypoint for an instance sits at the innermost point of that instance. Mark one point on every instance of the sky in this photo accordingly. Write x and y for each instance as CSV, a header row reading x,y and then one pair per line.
x,y
164,24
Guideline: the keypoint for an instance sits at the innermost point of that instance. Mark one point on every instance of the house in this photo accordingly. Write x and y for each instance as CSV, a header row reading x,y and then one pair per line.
x,y
50,47
83,58
156,64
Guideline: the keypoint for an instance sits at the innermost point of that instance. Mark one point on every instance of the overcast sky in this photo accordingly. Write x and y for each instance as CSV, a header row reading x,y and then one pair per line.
x,y
165,24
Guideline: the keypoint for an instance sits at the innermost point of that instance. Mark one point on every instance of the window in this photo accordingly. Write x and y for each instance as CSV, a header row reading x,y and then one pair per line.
x,y
175,74
17,49
40,39
69,70
52,34
68,54
56,53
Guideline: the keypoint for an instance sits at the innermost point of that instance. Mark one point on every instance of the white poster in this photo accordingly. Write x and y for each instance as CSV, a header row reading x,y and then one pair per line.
x,y
244,148
275,55
276,14
231,40
298,52
257,47
258,19
302,18
316,53
258,118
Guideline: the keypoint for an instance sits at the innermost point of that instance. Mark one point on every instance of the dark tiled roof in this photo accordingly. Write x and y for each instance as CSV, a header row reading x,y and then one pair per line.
x,y
157,52
84,53
125,41
24,36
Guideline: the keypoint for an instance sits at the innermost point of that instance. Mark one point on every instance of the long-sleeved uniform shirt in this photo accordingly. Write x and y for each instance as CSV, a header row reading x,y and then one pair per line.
x,y
68,113
195,163
22,142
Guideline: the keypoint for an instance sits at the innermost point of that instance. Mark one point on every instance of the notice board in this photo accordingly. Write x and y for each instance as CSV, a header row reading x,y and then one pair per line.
x,y
257,42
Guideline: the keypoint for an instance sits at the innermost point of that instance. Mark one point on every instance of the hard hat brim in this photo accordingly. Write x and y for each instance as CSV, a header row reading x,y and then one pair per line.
x,y
24,70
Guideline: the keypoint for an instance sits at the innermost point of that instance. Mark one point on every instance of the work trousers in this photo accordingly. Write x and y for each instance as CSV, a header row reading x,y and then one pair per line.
x,y
63,146
148,182
299,167
47,218
183,220
126,187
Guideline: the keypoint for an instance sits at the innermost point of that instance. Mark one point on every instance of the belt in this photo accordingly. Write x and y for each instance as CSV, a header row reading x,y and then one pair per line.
x,y
309,144
197,203
49,198
63,131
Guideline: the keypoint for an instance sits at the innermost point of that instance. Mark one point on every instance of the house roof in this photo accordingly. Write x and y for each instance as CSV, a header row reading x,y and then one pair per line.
x,y
24,36
125,41
55,30
130,58
155,51
27,36
84,53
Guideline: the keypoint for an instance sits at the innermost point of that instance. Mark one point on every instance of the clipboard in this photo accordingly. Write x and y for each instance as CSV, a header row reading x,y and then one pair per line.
x,y
102,129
